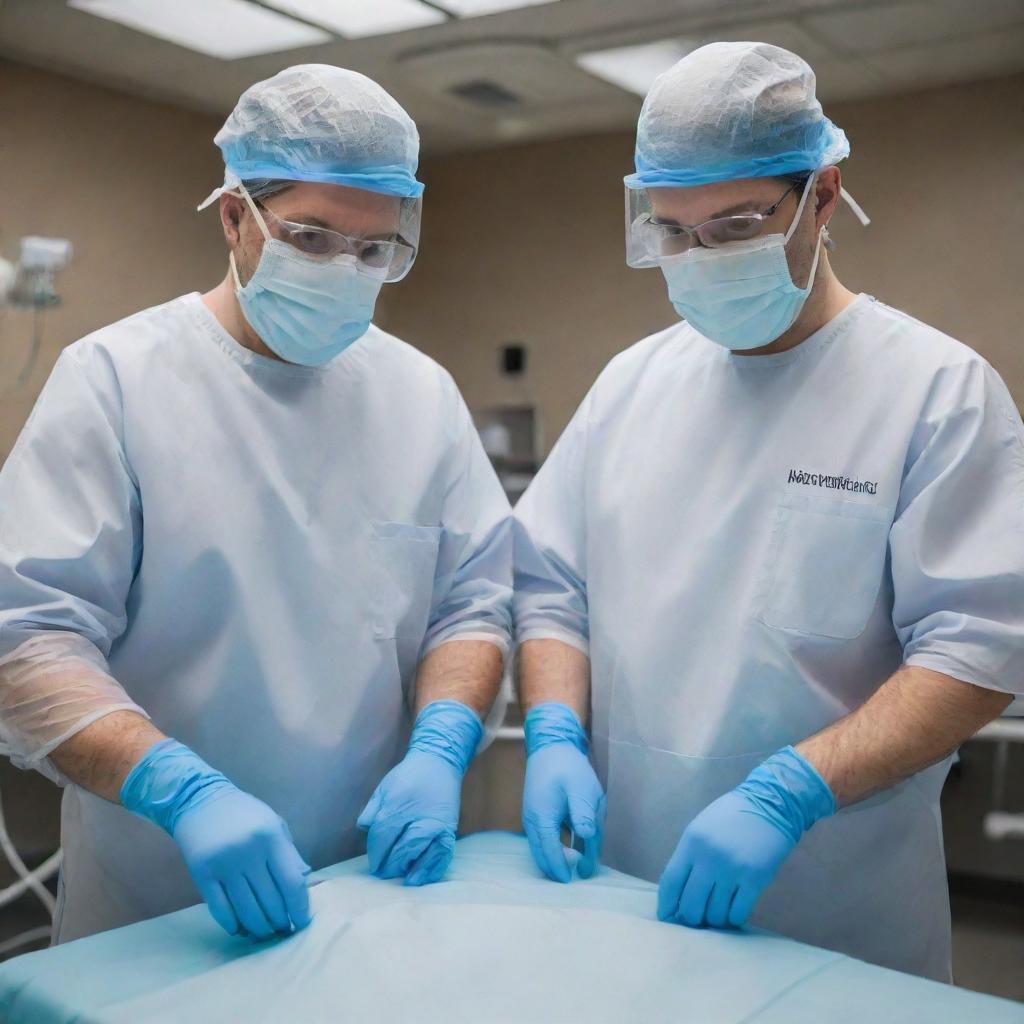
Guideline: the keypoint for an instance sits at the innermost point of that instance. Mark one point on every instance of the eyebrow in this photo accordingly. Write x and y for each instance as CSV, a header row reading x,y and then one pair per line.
x,y
312,221
308,218
750,206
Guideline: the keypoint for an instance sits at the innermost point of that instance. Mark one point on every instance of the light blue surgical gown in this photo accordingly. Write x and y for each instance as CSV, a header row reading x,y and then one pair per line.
x,y
263,552
747,547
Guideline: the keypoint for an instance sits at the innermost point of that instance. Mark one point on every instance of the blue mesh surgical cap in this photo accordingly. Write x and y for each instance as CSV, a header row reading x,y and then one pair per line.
x,y
733,110
315,122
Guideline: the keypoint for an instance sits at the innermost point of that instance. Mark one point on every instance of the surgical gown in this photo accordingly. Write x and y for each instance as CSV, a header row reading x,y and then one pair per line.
x,y
262,552
747,547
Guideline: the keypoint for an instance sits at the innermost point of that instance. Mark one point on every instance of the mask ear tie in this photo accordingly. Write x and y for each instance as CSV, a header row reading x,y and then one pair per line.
x,y
852,203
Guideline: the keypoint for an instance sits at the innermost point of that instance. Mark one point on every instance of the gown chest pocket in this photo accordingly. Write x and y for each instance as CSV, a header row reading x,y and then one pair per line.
x,y
826,558
405,558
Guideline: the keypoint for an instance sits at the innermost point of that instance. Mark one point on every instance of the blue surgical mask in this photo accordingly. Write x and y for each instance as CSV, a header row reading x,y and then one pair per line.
x,y
306,310
741,296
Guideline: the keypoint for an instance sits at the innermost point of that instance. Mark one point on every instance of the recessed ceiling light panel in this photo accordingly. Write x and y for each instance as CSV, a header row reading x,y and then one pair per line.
x,y
635,67
356,19
475,8
227,29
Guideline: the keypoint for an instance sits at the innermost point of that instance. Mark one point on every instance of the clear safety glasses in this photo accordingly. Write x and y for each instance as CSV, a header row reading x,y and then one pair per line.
x,y
386,258
649,241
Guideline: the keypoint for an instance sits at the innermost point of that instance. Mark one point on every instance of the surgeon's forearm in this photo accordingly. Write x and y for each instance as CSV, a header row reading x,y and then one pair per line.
x,y
550,670
468,671
914,720
100,756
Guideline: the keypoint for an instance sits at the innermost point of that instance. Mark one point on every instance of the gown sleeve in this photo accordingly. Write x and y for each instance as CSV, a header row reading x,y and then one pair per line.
x,y
957,541
550,544
70,541
473,580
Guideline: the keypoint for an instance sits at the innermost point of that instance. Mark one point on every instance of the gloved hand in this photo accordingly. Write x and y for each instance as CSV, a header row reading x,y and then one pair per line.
x,y
414,812
730,852
239,852
560,787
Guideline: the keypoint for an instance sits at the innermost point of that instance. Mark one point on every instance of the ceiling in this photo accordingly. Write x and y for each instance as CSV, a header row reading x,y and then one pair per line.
x,y
858,48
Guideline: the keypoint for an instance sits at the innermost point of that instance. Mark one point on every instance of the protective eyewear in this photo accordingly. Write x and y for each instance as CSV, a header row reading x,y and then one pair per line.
x,y
390,258
649,241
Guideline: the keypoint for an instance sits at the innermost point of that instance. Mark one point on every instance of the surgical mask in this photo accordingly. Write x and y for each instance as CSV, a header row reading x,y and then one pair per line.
x,y
306,310
741,296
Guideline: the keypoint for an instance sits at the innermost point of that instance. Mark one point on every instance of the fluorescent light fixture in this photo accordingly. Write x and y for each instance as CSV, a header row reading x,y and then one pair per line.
x,y
227,29
355,19
635,67
474,8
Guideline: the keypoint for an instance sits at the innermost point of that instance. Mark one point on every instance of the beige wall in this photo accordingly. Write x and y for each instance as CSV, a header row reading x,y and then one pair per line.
x,y
527,244
121,178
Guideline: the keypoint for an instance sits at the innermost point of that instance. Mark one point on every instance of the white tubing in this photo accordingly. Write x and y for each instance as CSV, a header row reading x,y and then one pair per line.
x,y
852,203
32,935
1000,825
510,732
28,879
22,885
1011,729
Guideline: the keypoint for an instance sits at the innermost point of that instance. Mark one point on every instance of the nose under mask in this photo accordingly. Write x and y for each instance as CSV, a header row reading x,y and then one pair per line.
x,y
741,296
306,311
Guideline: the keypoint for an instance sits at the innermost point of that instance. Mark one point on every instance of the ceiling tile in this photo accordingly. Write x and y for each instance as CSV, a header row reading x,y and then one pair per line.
x,y
786,34
982,56
50,35
911,24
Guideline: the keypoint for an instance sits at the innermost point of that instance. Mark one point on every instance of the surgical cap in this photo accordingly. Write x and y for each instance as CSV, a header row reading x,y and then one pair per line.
x,y
733,110
315,122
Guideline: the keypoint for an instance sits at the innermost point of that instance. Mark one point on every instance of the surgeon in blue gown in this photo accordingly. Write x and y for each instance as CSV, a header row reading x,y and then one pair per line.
x,y
777,556
251,547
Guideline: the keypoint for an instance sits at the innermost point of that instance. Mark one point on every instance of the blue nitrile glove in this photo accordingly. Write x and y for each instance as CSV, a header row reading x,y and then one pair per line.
x,y
730,852
561,787
239,852
414,812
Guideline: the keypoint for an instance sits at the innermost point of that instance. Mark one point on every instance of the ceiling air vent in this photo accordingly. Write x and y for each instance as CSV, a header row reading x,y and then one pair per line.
x,y
485,93
492,77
